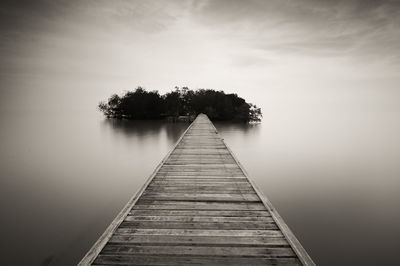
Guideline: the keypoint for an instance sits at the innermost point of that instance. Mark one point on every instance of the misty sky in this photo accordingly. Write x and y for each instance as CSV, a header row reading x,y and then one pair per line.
x,y
62,55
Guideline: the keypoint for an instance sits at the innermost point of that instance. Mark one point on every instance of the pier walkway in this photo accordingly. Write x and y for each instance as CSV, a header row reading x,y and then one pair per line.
x,y
199,207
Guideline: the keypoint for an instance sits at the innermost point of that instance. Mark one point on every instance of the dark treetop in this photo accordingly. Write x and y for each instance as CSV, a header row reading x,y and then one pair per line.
x,y
142,104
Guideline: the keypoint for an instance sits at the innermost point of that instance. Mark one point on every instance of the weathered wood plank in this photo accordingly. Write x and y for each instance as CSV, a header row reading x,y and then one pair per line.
x,y
200,196
207,219
207,178
223,213
202,162
201,173
200,188
183,182
270,252
202,167
232,241
248,225
188,260
199,232
197,205
200,182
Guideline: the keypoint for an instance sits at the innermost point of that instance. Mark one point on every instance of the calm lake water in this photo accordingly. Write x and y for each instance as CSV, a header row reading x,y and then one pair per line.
x,y
64,177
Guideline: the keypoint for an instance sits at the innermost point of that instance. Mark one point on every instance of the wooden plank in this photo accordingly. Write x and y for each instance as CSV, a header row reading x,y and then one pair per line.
x,y
223,213
200,152
178,170
206,177
204,156
201,196
183,182
232,241
189,206
219,168
199,182
186,260
199,232
201,158
202,167
199,190
200,174
197,205
218,186
270,252
211,191
248,225
207,219
204,162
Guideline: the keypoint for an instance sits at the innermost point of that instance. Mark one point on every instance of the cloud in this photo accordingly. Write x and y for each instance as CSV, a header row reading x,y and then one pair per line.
x,y
180,39
355,28
359,28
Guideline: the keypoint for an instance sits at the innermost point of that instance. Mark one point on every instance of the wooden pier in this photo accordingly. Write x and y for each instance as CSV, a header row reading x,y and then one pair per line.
x,y
198,207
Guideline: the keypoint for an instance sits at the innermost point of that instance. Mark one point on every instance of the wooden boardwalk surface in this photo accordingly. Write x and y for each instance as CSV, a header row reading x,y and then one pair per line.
x,y
198,208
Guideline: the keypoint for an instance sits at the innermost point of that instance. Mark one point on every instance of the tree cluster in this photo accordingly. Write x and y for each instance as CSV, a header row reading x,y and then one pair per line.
x,y
142,104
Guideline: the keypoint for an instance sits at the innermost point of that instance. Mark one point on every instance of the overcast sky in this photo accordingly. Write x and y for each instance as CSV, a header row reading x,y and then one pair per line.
x,y
71,54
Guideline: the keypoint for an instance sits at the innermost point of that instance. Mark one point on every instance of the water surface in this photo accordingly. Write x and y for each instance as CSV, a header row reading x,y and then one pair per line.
x,y
65,177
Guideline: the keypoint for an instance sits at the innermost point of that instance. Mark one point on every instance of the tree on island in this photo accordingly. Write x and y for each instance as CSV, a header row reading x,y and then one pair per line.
x,y
142,104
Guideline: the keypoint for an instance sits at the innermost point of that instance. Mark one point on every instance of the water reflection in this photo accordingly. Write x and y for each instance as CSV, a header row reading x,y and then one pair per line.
x,y
69,176
336,184
238,128
144,128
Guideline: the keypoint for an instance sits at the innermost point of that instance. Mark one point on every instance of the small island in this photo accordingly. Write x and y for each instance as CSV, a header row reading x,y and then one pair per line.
x,y
180,103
